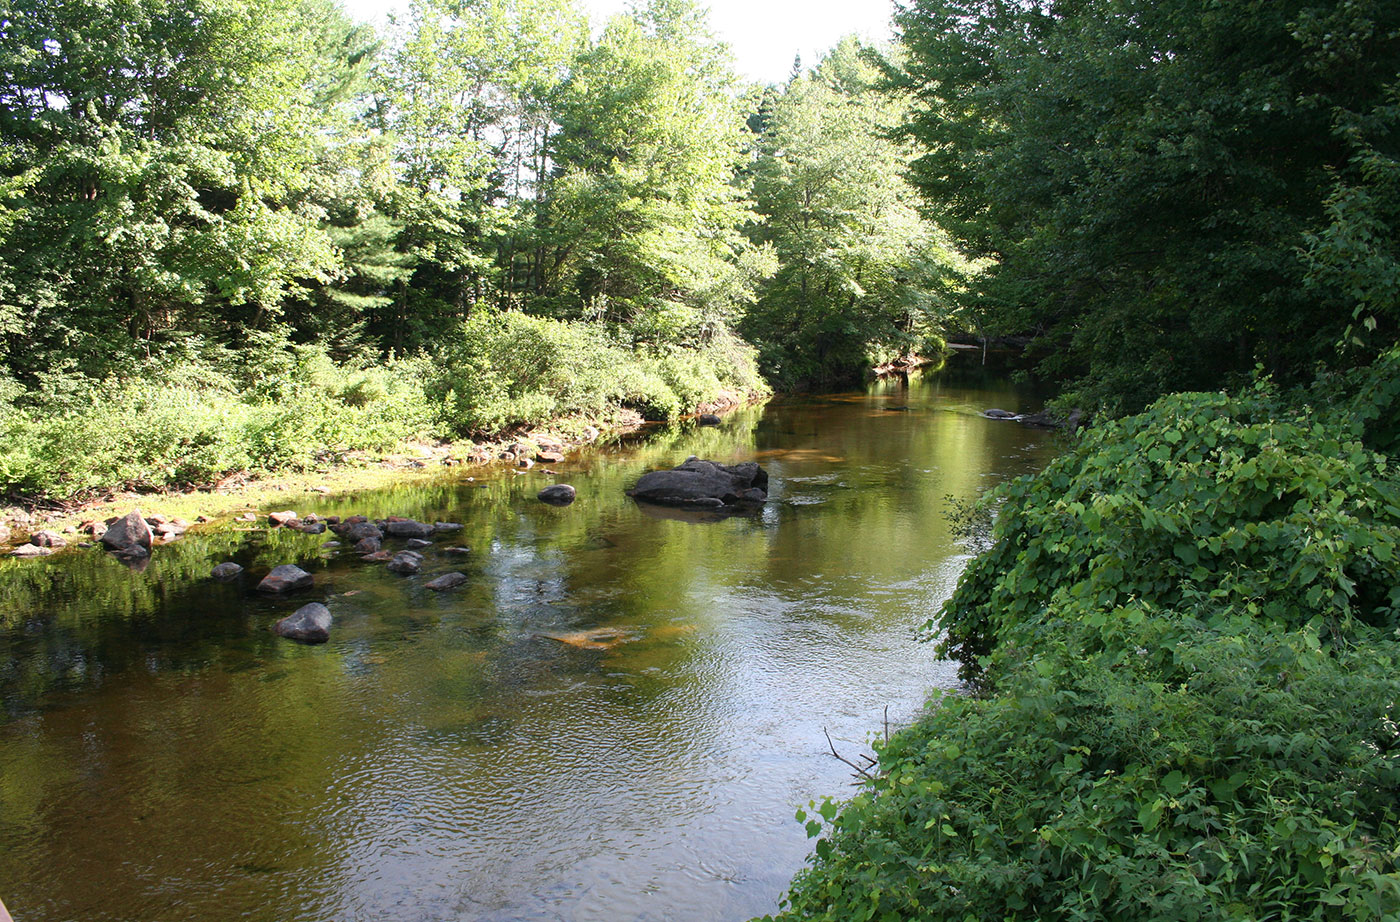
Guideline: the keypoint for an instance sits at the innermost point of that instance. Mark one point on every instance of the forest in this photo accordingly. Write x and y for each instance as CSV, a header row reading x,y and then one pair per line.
x,y
251,234
239,234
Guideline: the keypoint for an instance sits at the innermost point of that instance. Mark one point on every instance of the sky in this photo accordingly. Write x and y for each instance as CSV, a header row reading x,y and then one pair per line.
x,y
764,34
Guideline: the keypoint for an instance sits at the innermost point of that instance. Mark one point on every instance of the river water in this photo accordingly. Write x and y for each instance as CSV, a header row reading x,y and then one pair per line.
x,y
614,719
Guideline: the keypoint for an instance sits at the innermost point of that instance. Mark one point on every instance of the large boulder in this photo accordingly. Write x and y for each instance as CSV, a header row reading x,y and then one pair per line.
x,y
308,624
286,578
47,538
408,528
705,484
129,531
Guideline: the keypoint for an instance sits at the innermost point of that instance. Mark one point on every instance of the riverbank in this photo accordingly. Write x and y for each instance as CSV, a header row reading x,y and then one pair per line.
x,y
1184,635
531,452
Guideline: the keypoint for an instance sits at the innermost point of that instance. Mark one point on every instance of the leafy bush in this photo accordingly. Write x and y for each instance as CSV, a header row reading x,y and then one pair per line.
x,y
1241,502
510,369
1157,767
1189,623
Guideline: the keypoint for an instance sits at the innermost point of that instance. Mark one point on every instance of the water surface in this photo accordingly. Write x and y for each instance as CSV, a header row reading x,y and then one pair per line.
x,y
614,719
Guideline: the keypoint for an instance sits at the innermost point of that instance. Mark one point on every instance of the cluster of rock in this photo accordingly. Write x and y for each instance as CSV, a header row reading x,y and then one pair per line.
x,y
130,536
311,623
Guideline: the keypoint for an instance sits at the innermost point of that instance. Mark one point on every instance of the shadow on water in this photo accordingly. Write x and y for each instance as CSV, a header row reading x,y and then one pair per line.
x,y
614,718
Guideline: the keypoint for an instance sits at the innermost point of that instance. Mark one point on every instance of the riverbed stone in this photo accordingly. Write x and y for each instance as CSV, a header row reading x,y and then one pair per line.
x,y
704,483
370,545
995,413
707,419
278,519
360,530
286,578
406,563
408,528
4,534
446,581
549,457
226,571
558,494
309,624
313,528
457,551
31,550
47,538
447,526
128,531
415,544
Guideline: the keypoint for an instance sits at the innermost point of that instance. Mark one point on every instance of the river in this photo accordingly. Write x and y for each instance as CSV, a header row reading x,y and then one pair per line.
x,y
614,719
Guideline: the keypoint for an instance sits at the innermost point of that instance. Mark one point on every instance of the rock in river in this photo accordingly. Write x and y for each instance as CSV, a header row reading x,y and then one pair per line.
x,y
559,494
131,531
225,572
408,529
308,624
447,581
406,562
704,483
286,578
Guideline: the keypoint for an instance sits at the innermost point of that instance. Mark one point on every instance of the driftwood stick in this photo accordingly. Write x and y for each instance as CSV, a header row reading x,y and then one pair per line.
x,y
838,755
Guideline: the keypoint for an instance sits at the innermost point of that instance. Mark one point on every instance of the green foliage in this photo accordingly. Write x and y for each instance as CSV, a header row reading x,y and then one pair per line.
x,y
1188,625
508,369
172,426
862,276
1238,504
1167,192
1156,767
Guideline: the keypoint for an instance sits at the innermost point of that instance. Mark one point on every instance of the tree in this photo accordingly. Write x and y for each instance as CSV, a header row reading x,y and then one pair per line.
x,y
1144,175
171,151
643,218
861,272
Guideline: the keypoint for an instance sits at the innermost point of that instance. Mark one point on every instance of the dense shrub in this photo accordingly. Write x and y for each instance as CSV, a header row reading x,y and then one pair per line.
x,y
510,369
1187,626
1156,767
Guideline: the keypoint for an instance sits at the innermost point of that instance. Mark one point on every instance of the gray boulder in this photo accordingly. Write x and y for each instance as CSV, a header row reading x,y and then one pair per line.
x,y
406,563
447,581
308,624
559,494
408,529
998,414
286,578
704,484
31,550
313,528
225,572
369,545
47,539
447,526
417,544
130,531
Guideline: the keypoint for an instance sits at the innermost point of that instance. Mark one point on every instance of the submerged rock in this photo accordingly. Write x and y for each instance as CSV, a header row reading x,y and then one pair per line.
x,y
998,414
308,624
129,531
286,578
447,581
225,572
704,484
369,545
559,494
415,544
708,419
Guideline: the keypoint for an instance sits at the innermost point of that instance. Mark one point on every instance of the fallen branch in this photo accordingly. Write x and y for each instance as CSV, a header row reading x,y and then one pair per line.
x,y
838,755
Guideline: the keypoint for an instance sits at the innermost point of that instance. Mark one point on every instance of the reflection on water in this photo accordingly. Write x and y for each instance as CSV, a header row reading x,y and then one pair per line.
x,y
615,718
